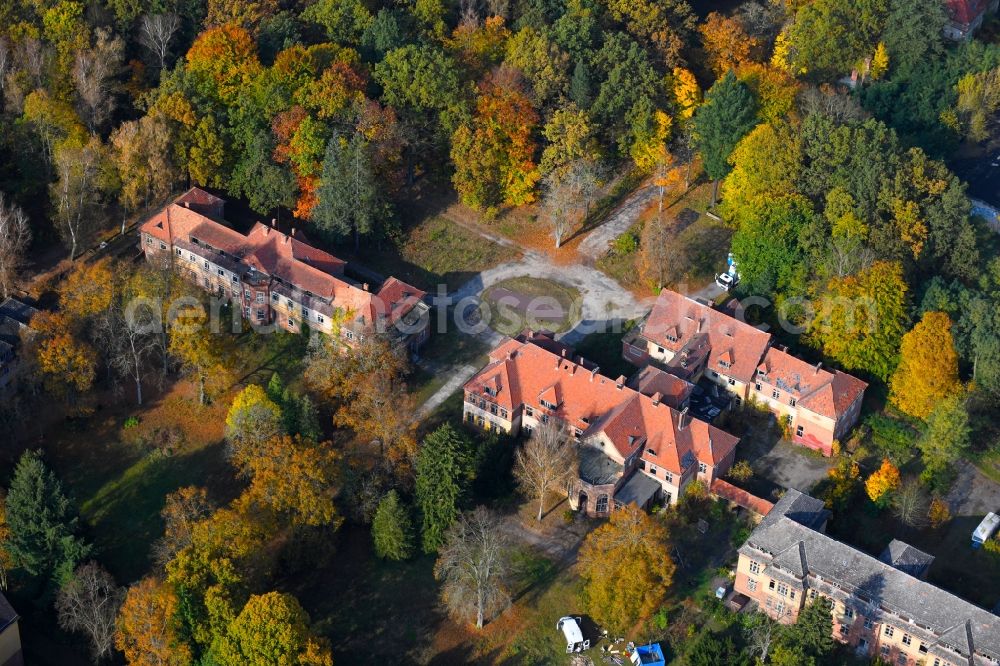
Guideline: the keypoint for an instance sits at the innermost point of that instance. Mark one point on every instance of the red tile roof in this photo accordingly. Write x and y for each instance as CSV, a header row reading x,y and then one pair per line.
x,y
740,497
699,329
652,381
966,11
521,373
287,256
828,393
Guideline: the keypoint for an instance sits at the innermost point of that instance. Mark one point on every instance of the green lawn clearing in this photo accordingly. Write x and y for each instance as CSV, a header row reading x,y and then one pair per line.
x,y
527,302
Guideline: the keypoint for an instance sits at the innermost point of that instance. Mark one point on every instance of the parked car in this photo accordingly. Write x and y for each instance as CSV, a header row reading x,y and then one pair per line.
x,y
726,281
570,626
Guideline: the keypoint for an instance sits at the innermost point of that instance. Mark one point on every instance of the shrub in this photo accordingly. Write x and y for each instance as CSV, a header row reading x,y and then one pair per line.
x,y
892,438
938,514
569,515
741,472
131,422
992,546
627,243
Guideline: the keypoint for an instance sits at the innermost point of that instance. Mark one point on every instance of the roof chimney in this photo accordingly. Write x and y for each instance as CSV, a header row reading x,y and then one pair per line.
x,y
682,419
700,323
592,373
656,398
818,366
563,352
187,204
620,382
365,286
274,221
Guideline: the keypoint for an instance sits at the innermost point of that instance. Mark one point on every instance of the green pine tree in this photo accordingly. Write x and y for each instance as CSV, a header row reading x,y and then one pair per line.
x,y
579,85
444,470
308,419
812,633
728,114
392,529
276,389
43,524
349,195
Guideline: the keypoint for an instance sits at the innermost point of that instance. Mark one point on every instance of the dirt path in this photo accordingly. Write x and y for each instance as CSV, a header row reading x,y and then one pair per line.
x,y
595,245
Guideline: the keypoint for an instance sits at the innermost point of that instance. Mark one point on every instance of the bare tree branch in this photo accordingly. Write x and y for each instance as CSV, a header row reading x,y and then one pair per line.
x,y
15,235
156,31
473,566
547,462
89,603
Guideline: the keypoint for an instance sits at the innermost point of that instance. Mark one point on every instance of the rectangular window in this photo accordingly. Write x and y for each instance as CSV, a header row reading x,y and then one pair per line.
x,y
206,264
923,648
659,349
885,650
260,297
178,251
869,623
732,382
320,318
149,240
669,477
907,639
235,279
288,301
848,613
754,567
783,589
799,430
791,402
889,631
702,467
751,585
528,411
779,607
757,386
222,272
844,629
274,297
291,324
652,470
771,584
902,659
260,315
776,394
163,246
246,293
812,595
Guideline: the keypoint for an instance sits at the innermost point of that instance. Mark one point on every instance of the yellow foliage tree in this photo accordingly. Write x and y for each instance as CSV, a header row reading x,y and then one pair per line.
x,y
880,62
296,476
938,513
883,482
87,291
631,547
271,629
67,364
687,93
148,626
650,148
928,367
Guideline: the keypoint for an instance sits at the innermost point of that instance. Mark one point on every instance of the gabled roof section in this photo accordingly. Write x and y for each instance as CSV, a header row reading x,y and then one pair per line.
x,y
598,405
828,393
966,11
792,559
693,323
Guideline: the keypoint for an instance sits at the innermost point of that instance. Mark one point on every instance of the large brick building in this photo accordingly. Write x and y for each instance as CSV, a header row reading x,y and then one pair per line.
x,y
695,341
279,278
881,606
635,447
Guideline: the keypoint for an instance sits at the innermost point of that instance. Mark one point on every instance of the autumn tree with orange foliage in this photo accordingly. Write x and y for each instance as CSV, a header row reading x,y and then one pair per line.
x,y
727,44
882,483
928,367
368,388
494,154
272,628
296,477
182,509
149,627
633,546
223,62
66,363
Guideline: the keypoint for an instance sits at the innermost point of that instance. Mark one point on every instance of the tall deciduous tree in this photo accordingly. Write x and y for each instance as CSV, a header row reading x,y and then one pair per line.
x,y
546,462
473,567
728,114
203,354
928,367
632,546
74,194
182,509
948,433
88,603
914,32
272,628
156,31
95,73
863,319
727,44
494,154
15,236
444,470
882,483
149,627
43,523
297,477
252,421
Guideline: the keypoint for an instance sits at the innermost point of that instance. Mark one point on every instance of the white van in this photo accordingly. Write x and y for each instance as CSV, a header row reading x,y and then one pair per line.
x,y
570,626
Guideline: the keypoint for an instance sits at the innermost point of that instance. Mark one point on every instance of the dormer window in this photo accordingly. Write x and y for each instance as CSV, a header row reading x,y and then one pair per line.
x,y
725,364
672,338
547,405
651,452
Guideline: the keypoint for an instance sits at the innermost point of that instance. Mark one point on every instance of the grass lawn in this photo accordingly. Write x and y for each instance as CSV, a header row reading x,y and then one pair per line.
x,y
701,247
436,251
538,300
605,349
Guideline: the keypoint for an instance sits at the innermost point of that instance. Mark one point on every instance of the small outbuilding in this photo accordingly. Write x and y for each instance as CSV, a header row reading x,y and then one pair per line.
x,y
647,655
